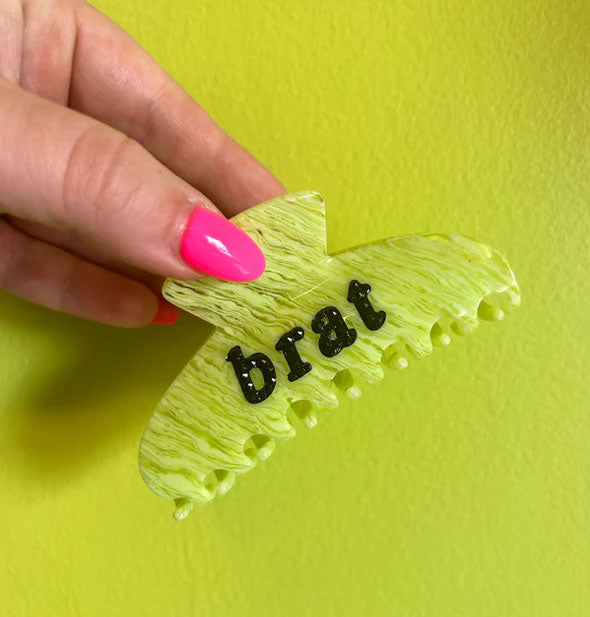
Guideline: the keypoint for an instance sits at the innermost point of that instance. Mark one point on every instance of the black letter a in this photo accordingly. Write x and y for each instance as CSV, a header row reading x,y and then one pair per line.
x,y
335,335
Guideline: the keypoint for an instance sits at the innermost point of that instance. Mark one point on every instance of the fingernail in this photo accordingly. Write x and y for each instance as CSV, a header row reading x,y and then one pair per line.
x,y
167,313
215,246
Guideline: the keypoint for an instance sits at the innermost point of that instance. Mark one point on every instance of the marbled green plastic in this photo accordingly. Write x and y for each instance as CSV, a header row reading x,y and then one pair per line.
x,y
203,432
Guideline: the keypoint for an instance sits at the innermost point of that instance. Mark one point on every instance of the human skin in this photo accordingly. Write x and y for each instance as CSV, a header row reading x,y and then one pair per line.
x,y
103,160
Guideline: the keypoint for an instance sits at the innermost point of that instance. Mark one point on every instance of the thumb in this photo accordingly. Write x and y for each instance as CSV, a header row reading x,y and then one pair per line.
x,y
66,170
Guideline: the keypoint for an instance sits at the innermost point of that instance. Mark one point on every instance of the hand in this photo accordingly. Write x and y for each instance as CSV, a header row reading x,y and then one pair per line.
x,y
110,172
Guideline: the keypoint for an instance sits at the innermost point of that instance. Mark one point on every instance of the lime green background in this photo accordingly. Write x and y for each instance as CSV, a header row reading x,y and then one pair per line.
x,y
459,487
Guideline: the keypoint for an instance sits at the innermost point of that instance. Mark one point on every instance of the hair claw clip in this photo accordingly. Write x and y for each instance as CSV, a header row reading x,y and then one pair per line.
x,y
309,327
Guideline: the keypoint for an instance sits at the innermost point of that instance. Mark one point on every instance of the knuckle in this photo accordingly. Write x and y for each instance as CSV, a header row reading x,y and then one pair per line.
x,y
152,112
95,175
77,171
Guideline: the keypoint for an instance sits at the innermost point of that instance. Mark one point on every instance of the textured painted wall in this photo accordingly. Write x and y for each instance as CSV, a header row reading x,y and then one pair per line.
x,y
457,487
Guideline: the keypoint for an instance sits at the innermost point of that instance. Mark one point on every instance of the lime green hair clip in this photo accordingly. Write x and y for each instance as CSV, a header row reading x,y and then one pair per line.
x,y
311,326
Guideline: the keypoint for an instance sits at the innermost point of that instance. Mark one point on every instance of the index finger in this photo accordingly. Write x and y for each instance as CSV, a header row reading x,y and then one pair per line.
x,y
117,82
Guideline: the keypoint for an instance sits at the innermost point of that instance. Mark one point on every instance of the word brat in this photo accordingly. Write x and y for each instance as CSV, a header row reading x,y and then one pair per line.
x,y
334,336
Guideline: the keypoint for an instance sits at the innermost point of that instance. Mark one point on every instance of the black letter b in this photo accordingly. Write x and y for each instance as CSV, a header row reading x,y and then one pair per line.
x,y
243,368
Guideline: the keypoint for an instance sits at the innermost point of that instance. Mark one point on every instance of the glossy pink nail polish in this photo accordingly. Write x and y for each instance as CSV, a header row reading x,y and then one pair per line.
x,y
215,246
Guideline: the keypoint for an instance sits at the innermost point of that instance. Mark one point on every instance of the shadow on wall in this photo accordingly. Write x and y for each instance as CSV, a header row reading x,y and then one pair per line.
x,y
83,387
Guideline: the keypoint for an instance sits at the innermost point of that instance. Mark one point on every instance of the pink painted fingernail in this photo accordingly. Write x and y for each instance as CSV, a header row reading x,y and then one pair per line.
x,y
215,246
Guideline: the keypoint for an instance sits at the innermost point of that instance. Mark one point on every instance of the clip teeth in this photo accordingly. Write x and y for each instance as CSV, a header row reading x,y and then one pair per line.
x,y
217,482
225,480
210,482
395,357
489,312
183,508
438,336
345,381
499,303
259,447
398,363
354,393
304,411
310,420
464,326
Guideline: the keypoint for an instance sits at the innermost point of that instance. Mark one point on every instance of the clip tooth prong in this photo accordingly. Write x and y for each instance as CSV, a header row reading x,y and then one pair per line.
x,y
398,363
345,382
438,336
489,312
394,358
310,419
183,508
259,447
226,480
306,412
464,326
